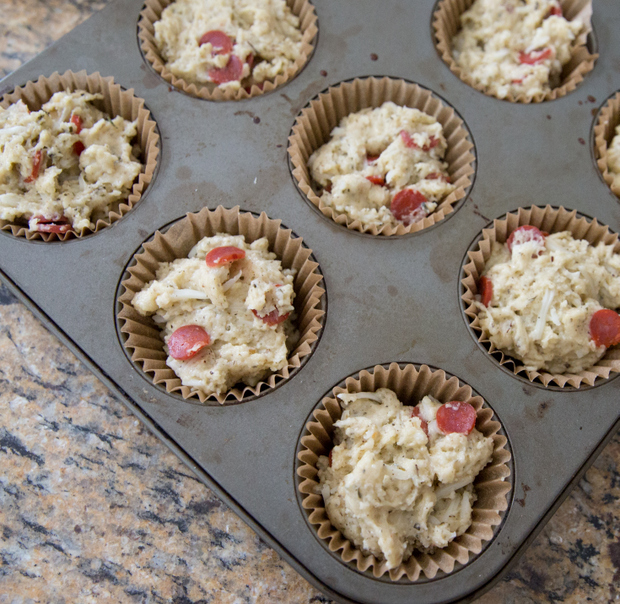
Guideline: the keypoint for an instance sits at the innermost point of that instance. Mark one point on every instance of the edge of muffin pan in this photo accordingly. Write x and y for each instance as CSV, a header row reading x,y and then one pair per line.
x,y
445,24
494,484
321,114
151,12
552,220
117,101
141,338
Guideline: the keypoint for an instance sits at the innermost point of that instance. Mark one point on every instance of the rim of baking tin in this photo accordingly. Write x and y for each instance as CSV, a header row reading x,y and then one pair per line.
x,y
343,227
229,399
508,366
591,45
511,479
255,92
599,144
150,179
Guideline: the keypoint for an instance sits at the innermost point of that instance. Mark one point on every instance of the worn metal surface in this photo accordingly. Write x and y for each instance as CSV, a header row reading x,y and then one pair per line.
x,y
389,299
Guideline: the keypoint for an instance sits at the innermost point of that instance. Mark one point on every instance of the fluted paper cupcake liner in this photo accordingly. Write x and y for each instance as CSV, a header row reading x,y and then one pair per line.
x,y
551,220
308,24
116,101
142,337
446,24
604,132
314,124
410,383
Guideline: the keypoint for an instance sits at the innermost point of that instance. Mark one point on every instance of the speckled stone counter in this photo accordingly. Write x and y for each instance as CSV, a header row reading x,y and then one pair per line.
x,y
93,508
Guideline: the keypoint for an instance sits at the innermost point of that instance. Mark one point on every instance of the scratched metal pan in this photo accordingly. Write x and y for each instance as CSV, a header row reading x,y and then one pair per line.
x,y
389,299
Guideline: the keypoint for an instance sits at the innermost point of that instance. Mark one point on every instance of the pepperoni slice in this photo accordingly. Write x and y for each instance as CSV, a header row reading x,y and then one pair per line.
x,y
405,204
273,318
56,224
518,80
523,234
456,416
605,327
223,255
371,159
78,147
432,143
230,73
76,120
328,188
376,180
486,290
536,56
415,412
437,176
187,341
407,139
36,166
555,11
221,44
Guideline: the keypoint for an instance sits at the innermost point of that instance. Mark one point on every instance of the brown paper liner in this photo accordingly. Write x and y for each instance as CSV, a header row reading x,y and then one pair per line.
x,y
604,132
142,337
410,383
552,220
316,121
308,24
446,24
116,101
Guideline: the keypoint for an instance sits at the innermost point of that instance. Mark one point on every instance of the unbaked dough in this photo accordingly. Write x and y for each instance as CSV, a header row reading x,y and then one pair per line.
x,y
389,488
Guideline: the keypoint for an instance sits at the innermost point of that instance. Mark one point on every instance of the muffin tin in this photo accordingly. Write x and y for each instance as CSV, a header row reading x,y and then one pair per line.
x,y
389,299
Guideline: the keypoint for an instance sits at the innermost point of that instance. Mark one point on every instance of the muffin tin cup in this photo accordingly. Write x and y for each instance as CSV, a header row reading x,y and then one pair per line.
x,y
604,132
308,24
314,125
116,101
552,220
142,337
410,383
446,24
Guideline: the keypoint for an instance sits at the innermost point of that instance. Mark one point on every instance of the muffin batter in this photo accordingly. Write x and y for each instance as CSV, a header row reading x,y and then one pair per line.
x,y
228,42
383,166
225,312
540,294
400,478
64,166
515,46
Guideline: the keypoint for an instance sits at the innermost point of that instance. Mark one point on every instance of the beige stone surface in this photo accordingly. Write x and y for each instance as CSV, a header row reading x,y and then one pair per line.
x,y
93,508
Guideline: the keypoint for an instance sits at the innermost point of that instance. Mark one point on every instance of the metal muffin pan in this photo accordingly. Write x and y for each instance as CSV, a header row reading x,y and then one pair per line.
x,y
389,299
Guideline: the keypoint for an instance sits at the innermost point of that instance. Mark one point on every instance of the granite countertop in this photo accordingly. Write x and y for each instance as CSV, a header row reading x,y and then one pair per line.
x,y
93,508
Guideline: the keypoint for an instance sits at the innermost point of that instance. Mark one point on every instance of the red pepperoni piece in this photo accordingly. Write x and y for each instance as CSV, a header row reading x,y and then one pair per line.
x,y
328,188
76,120
376,180
187,341
432,143
56,224
605,327
405,204
407,139
536,56
78,147
371,159
518,81
555,10
223,255
486,290
437,176
273,318
230,73
36,166
415,412
525,233
221,44
456,416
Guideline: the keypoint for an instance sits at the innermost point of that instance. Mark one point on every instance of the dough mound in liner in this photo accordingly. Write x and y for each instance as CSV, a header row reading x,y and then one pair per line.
x,y
146,34
410,383
142,337
606,129
116,101
446,24
316,121
551,220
